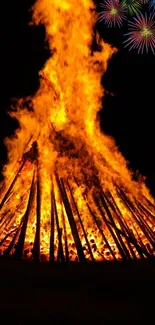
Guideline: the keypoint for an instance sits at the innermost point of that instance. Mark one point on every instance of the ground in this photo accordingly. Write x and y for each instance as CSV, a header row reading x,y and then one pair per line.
x,y
99,292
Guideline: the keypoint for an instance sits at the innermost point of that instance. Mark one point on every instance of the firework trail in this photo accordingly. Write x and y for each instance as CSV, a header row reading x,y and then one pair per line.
x,y
132,6
141,35
113,13
151,5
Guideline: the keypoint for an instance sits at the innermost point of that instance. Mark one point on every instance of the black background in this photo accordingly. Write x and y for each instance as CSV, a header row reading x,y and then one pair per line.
x,y
128,116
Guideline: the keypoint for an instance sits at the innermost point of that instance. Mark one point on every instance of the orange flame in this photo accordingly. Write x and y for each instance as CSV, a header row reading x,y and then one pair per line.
x,y
63,121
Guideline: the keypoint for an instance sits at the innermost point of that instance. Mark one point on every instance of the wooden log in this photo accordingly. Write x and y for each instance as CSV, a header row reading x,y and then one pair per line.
x,y
71,219
121,220
147,227
60,255
81,223
9,219
142,252
20,244
7,235
2,188
101,232
3,218
125,200
136,217
60,248
11,185
36,247
149,203
141,242
12,243
147,212
65,234
120,245
123,224
130,238
96,221
142,213
52,228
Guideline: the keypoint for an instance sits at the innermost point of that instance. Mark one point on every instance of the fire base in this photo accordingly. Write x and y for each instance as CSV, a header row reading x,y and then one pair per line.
x,y
75,225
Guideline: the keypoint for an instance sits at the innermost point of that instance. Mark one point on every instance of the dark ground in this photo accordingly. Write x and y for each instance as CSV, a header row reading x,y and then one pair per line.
x,y
101,292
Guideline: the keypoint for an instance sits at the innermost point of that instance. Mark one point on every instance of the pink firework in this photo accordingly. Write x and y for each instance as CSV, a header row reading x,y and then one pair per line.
x,y
141,35
113,13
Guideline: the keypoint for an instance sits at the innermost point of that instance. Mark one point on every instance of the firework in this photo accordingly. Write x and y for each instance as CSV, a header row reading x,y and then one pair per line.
x,y
151,4
113,13
141,35
132,6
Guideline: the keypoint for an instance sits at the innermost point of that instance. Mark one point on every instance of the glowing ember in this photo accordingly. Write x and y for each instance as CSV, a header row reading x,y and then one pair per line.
x,y
68,195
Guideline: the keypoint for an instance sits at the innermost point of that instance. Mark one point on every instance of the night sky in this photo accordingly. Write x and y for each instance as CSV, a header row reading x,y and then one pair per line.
x,y
128,116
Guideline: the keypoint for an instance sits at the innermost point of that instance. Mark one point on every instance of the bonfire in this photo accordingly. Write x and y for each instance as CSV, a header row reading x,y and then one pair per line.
x,y
67,193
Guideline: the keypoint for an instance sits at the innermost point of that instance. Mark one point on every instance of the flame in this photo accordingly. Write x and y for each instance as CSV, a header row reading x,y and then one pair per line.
x,y
62,118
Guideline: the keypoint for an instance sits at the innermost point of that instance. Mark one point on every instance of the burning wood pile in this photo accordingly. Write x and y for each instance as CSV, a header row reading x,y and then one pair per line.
x,y
67,193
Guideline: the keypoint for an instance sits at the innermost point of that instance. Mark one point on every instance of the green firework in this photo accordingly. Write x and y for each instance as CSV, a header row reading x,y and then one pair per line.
x,y
132,6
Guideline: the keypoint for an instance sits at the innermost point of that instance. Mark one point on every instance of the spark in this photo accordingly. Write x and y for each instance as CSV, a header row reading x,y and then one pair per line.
x,y
113,13
132,6
141,33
